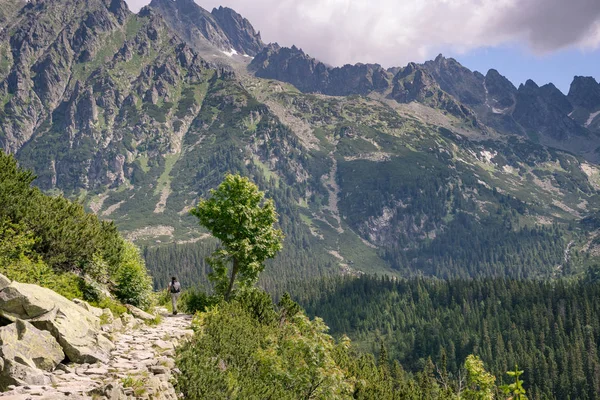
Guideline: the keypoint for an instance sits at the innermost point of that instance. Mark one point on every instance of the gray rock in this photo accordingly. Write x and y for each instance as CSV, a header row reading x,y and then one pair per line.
x,y
140,314
96,371
85,305
76,329
25,352
159,370
4,281
129,322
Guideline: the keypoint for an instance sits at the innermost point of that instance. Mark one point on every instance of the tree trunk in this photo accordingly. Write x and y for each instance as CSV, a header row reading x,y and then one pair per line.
x,y
234,271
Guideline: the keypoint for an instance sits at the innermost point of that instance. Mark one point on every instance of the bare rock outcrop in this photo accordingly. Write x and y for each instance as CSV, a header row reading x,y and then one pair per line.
x,y
76,329
26,352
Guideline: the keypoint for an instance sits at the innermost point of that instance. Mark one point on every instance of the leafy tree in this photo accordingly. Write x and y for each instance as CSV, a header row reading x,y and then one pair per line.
x,y
481,384
238,216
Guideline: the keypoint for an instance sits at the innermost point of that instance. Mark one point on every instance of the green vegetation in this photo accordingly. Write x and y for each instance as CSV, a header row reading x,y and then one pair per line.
x,y
133,285
54,243
237,215
137,384
550,329
251,348
247,347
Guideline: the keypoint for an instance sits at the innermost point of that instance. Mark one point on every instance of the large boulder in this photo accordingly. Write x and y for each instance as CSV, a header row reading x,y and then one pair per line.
x,y
76,329
25,352
140,314
84,304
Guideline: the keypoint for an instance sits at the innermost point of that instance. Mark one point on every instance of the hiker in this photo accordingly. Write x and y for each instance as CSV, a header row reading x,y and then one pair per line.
x,y
175,289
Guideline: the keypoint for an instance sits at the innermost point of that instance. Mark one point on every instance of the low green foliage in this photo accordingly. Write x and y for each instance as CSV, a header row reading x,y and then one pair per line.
x,y
155,321
133,284
251,349
245,350
515,390
113,305
52,242
136,383
195,300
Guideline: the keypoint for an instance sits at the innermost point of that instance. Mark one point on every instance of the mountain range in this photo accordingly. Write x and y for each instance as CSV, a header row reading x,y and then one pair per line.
x,y
423,169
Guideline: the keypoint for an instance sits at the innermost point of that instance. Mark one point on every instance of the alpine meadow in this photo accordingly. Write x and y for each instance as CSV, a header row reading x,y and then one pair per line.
x,y
412,231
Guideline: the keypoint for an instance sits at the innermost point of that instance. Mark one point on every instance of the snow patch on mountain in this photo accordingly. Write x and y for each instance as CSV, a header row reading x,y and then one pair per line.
x,y
230,53
591,118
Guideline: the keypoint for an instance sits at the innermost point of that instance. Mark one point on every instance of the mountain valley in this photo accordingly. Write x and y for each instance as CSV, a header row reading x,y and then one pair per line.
x,y
426,169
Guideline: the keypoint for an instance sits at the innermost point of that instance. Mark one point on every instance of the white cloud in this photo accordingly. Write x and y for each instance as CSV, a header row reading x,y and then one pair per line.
x,y
394,32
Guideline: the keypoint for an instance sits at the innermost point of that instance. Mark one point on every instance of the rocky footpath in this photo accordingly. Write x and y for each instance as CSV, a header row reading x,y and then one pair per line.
x,y
52,348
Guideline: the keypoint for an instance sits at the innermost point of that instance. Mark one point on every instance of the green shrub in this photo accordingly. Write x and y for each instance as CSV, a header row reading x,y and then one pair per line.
x,y
193,300
244,350
18,262
163,298
113,305
133,284
97,269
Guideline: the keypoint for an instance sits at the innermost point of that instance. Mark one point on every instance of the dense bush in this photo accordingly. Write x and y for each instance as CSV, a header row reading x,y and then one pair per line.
x,y
19,262
53,242
195,300
133,285
245,350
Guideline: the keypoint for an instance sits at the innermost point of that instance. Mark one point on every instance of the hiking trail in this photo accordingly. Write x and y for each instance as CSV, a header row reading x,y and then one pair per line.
x,y
141,366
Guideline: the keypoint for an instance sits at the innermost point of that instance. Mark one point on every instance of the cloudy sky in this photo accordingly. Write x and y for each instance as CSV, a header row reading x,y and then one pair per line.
x,y
546,40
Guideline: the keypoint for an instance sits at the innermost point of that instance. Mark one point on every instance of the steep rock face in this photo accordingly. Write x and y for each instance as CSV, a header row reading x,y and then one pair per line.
x,y
585,93
500,92
458,81
544,111
415,83
9,9
106,82
491,97
45,43
223,28
239,30
310,75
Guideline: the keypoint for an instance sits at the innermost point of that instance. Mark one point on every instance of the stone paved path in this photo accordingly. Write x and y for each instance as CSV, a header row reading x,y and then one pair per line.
x,y
141,367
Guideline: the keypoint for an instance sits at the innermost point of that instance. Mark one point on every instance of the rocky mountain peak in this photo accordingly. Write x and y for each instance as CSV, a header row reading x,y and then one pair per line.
x,y
224,28
239,30
585,93
416,83
457,80
545,109
500,91
310,75
528,85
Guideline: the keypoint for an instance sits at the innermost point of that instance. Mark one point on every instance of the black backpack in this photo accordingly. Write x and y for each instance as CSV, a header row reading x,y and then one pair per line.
x,y
175,289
